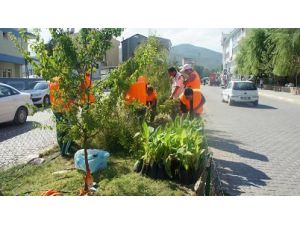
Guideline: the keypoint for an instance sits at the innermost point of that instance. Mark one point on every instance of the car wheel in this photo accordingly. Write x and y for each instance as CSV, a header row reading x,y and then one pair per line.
x,y
230,102
255,103
21,115
223,100
46,100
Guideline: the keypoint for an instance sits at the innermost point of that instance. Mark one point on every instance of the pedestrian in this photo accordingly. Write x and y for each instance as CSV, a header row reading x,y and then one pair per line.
x,y
151,100
261,83
194,79
192,101
177,83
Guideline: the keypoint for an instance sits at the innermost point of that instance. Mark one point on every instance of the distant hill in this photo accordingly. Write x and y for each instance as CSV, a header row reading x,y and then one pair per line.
x,y
202,56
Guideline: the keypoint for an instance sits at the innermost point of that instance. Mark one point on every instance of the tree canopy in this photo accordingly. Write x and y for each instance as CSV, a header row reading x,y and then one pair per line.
x,y
269,52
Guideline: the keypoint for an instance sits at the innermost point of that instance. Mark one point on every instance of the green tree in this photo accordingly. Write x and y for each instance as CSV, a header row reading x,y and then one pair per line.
x,y
70,57
286,52
251,57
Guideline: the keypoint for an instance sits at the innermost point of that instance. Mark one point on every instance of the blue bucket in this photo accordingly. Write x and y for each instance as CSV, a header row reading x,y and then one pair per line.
x,y
97,159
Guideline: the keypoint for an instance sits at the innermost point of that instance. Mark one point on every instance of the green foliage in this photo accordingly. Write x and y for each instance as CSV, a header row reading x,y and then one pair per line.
x,y
182,140
202,71
70,57
269,52
161,119
286,51
170,107
116,133
251,51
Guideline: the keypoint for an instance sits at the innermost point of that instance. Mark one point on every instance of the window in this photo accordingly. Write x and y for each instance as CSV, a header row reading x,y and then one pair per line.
x,y
41,86
8,72
4,73
5,91
244,86
17,84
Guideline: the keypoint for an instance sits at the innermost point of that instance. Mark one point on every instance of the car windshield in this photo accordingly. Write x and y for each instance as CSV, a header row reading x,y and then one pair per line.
x,y
40,86
244,86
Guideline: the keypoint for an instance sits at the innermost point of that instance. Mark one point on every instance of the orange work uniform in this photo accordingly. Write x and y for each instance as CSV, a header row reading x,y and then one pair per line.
x,y
151,99
197,99
137,91
195,83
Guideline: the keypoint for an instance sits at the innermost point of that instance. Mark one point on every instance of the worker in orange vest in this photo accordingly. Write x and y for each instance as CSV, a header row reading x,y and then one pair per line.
x,y
137,91
192,101
85,90
194,79
61,106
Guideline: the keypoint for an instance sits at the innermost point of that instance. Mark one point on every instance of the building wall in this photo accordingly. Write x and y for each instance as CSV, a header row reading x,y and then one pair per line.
x,y
188,61
9,68
230,44
112,55
7,46
130,44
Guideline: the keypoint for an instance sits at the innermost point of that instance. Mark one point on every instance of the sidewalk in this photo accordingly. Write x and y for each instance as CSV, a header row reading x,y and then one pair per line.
x,y
284,96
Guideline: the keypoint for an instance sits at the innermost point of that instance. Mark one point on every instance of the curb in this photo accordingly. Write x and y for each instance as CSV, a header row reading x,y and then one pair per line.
x,y
28,158
216,181
280,98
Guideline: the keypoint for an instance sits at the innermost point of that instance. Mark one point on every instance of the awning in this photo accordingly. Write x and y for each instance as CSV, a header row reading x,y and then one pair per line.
x,y
12,59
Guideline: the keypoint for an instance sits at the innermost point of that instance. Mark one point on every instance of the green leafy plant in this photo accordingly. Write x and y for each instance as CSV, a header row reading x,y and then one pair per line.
x,y
181,141
170,107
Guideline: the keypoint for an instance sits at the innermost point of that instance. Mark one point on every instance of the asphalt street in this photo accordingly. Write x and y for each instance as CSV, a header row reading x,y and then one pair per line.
x,y
256,149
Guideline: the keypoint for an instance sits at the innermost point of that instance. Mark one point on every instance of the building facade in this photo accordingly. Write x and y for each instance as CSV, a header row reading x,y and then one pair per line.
x,y
11,60
186,60
112,55
110,61
229,44
130,44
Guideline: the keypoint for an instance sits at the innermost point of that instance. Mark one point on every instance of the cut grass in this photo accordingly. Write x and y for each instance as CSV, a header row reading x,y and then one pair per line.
x,y
118,179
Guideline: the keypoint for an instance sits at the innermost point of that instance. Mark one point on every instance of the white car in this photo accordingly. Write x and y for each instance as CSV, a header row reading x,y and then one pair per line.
x,y
40,93
14,105
240,91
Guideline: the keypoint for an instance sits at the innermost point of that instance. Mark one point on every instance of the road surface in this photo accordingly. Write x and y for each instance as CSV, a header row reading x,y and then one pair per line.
x,y
256,150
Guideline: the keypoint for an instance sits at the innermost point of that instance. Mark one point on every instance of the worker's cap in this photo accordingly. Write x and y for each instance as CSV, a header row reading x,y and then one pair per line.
x,y
185,67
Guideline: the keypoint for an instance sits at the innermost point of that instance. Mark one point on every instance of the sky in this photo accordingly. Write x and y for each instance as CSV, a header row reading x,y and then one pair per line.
x,y
208,38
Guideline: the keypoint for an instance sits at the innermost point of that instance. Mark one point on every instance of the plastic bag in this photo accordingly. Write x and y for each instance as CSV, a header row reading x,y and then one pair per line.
x,y
97,159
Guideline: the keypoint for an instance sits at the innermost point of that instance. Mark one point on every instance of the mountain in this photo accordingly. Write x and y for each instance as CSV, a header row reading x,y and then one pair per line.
x,y
202,56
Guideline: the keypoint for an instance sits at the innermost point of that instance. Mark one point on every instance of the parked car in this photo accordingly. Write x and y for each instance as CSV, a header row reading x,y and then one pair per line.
x,y
240,91
289,85
14,105
40,93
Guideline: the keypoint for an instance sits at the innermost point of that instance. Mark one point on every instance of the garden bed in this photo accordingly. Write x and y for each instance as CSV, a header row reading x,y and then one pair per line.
x,y
58,173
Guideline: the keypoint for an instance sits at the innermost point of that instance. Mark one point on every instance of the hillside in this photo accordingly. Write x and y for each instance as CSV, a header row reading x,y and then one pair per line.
x,y
202,56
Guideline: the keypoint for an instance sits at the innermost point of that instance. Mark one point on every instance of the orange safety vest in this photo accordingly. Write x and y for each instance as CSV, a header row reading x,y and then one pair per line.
x,y
196,83
58,103
57,95
151,97
84,86
197,98
137,91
